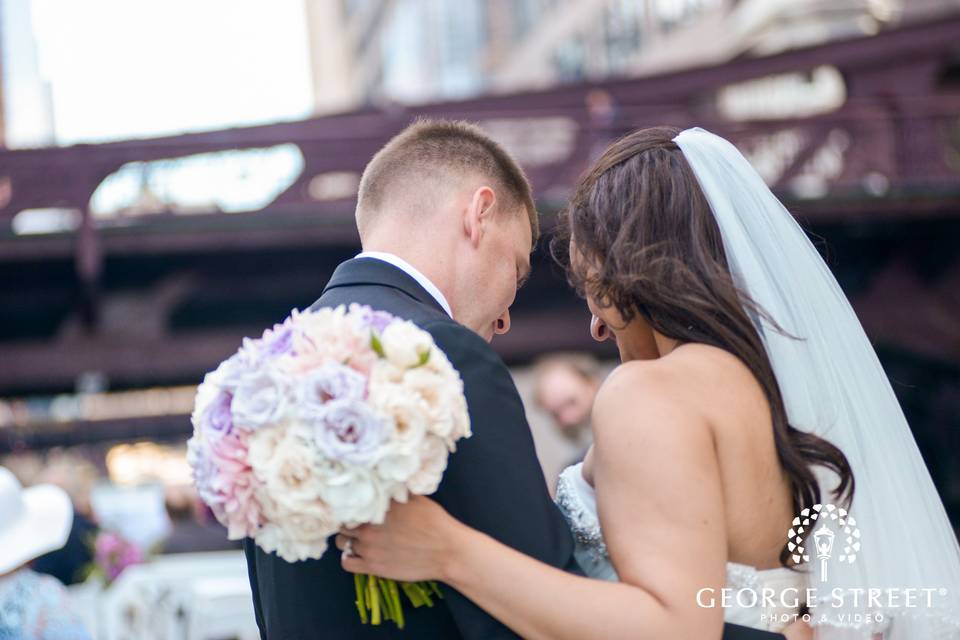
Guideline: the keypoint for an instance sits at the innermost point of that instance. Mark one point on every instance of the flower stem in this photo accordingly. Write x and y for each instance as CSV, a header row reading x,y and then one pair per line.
x,y
378,599
398,606
359,583
374,594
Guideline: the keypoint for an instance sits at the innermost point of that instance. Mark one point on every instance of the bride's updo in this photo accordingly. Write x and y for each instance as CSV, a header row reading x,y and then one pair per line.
x,y
646,243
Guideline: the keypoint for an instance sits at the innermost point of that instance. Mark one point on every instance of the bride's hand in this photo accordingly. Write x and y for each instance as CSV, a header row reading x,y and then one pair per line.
x,y
416,542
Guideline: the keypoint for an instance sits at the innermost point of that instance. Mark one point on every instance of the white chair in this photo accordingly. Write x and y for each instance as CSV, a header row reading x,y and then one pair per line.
x,y
194,596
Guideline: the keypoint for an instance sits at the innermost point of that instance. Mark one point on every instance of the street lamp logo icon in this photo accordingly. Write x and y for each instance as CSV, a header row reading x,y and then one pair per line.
x,y
836,527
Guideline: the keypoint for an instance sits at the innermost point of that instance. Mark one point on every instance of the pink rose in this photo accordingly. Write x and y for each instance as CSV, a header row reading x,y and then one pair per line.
x,y
226,483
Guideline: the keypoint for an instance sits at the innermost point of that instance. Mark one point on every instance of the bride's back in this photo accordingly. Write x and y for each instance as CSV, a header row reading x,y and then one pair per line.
x,y
720,390
758,505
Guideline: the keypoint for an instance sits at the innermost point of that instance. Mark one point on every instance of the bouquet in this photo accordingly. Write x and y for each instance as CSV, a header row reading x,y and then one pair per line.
x,y
318,425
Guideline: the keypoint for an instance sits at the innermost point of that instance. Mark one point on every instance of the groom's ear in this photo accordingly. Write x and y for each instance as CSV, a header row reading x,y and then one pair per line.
x,y
479,213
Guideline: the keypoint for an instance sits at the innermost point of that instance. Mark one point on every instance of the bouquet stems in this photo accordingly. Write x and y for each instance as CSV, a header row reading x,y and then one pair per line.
x,y
379,599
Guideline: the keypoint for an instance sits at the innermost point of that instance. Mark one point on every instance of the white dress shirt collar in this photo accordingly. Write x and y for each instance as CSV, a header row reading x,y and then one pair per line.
x,y
411,271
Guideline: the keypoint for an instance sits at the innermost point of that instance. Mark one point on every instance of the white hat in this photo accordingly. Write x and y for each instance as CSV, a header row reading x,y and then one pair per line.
x,y
33,521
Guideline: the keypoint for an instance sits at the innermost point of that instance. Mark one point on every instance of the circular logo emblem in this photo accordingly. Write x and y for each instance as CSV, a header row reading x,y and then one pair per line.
x,y
832,528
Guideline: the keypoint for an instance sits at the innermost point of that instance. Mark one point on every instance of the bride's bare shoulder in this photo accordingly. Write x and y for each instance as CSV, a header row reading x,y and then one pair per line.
x,y
643,415
636,391
694,382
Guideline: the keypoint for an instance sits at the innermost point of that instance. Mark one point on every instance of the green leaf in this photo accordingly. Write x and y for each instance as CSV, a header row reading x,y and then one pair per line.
x,y
376,345
424,359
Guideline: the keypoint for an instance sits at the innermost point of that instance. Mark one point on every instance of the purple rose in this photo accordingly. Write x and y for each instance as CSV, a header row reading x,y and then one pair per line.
x,y
217,420
376,320
204,471
331,381
259,400
380,320
349,431
278,340
229,372
254,352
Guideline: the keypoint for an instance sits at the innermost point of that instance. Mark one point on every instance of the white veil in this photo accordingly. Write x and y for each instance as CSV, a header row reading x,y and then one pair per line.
x,y
833,385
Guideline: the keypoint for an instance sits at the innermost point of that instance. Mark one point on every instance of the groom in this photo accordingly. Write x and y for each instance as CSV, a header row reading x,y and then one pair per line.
x,y
447,223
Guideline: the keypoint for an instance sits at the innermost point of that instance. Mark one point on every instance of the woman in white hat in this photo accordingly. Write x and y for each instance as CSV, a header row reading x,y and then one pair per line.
x,y
33,522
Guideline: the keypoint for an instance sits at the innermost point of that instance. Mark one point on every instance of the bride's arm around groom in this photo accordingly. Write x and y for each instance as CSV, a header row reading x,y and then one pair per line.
x,y
662,465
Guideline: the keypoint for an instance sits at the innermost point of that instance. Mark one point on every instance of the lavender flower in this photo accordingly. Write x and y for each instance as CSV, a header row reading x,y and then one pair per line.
x,y
278,340
259,400
368,318
331,381
217,420
349,431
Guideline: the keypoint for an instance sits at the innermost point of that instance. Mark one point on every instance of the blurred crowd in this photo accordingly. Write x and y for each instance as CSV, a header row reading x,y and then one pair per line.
x,y
65,521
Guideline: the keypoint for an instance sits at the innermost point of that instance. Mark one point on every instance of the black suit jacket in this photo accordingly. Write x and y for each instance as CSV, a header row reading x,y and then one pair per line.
x,y
493,483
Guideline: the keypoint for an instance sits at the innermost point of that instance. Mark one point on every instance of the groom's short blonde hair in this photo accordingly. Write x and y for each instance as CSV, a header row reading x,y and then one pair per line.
x,y
427,153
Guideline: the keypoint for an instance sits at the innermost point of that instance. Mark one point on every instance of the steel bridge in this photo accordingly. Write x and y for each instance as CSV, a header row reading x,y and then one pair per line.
x,y
148,295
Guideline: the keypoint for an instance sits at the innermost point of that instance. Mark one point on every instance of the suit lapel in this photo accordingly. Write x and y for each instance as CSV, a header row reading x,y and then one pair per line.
x,y
373,272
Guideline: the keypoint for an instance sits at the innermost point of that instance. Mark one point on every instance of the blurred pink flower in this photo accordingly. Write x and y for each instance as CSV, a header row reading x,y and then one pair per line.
x,y
112,555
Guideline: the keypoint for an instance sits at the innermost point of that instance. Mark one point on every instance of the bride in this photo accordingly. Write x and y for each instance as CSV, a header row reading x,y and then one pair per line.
x,y
747,393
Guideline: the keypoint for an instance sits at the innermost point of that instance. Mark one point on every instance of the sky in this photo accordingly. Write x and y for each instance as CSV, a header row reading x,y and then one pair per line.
x,y
138,68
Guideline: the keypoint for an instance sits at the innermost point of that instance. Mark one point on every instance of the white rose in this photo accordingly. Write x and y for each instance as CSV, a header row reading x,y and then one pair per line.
x,y
399,465
384,372
274,538
447,407
408,413
330,333
261,445
260,399
458,411
270,537
405,345
290,478
433,462
439,363
354,495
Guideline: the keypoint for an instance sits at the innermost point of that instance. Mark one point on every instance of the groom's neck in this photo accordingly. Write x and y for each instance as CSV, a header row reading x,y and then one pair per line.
x,y
432,262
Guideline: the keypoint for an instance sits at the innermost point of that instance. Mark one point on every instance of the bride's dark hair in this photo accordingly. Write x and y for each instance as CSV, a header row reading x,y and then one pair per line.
x,y
647,243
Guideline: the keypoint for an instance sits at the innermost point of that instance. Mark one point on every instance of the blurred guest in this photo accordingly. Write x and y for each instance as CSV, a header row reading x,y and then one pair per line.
x,y
565,386
68,564
33,521
76,476
603,115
